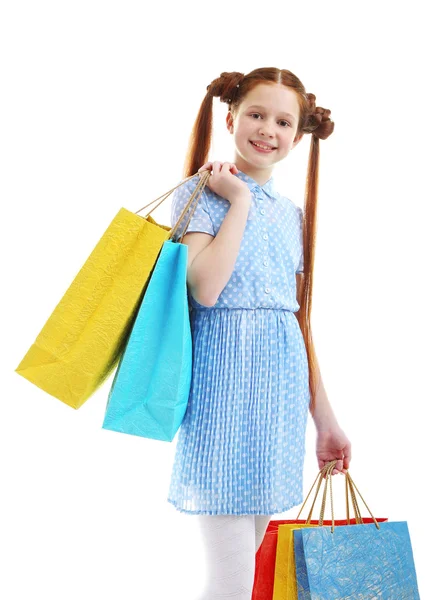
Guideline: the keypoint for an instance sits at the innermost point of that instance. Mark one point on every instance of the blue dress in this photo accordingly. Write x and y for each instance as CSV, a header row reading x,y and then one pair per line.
x,y
241,446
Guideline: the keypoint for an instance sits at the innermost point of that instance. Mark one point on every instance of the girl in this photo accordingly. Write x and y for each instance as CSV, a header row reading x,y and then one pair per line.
x,y
241,446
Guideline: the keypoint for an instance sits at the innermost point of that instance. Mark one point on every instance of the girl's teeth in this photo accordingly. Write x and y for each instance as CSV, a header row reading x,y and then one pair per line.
x,y
263,147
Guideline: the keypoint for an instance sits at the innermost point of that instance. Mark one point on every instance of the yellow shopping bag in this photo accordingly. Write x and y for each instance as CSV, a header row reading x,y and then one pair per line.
x,y
81,342
285,587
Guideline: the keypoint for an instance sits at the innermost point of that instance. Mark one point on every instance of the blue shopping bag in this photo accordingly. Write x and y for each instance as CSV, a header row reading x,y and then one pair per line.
x,y
360,561
355,561
150,391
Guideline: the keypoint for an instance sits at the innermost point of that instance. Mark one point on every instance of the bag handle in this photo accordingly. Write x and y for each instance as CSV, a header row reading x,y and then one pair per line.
x,y
349,488
321,473
195,194
166,194
350,491
352,488
351,481
326,473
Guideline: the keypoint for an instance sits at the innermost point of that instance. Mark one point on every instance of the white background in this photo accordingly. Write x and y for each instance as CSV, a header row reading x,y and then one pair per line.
x,y
97,104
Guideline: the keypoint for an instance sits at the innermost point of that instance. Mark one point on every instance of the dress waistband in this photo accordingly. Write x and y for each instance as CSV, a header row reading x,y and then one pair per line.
x,y
209,308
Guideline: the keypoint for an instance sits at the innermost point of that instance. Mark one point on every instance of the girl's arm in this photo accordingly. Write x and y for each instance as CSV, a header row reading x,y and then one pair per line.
x,y
323,415
332,442
211,269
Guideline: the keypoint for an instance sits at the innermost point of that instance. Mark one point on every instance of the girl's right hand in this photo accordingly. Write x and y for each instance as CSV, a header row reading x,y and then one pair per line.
x,y
223,182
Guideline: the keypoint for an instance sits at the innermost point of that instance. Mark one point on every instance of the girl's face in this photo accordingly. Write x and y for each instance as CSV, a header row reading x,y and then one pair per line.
x,y
268,115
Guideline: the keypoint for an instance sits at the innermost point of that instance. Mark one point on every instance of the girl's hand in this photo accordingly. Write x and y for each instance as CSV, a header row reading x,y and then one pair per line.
x,y
332,444
223,182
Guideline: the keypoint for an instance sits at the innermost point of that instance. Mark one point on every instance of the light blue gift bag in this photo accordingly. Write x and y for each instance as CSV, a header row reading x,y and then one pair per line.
x,y
361,561
355,561
150,391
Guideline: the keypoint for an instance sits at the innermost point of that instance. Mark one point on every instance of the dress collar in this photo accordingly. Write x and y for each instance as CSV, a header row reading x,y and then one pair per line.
x,y
268,187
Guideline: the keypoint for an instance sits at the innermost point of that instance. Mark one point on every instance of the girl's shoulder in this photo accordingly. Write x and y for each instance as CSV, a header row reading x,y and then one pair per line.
x,y
182,194
290,206
188,187
205,217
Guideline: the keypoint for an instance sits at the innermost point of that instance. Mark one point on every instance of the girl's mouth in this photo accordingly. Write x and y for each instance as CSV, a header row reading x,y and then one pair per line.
x,y
267,151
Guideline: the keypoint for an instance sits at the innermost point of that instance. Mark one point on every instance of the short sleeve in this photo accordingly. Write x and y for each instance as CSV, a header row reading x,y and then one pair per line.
x,y
201,218
300,233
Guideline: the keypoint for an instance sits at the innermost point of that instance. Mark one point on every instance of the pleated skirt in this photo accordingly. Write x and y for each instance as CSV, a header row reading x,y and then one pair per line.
x,y
241,446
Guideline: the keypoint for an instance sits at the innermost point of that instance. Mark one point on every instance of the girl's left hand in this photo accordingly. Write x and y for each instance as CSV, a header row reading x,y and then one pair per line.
x,y
332,444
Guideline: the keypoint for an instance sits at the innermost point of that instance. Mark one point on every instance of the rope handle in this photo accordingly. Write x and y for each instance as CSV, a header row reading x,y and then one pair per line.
x,y
349,490
195,195
321,473
326,473
166,194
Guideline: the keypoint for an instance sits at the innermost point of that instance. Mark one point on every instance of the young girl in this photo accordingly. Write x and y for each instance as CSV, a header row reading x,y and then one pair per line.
x,y
241,446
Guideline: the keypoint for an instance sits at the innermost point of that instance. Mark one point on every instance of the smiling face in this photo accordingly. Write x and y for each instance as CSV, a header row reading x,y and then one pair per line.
x,y
268,115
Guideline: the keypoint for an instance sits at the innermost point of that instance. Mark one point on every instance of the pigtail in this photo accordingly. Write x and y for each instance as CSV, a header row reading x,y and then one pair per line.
x,y
315,121
226,87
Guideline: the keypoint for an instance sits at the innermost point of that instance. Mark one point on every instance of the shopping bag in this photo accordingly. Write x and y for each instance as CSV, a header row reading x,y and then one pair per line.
x,y
284,581
275,567
373,560
150,391
82,341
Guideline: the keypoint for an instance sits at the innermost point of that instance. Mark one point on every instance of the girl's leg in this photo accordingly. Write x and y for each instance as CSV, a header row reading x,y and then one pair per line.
x,y
231,542
261,524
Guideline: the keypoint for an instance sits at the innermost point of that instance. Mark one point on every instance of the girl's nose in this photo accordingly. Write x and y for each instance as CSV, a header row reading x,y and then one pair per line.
x,y
266,132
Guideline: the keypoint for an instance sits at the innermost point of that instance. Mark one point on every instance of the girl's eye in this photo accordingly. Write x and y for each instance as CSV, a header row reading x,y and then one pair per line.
x,y
282,121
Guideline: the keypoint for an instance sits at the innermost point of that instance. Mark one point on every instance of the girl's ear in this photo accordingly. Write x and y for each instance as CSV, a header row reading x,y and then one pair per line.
x,y
297,139
230,122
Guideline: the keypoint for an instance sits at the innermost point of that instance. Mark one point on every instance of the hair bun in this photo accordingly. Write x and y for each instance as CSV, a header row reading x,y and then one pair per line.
x,y
225,87
318,122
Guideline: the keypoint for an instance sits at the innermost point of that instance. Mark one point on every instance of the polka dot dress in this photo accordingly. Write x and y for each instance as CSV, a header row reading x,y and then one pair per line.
x,y
241,445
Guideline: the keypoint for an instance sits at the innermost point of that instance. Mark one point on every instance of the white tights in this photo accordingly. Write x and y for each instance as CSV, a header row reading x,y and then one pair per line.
x,y
231,542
